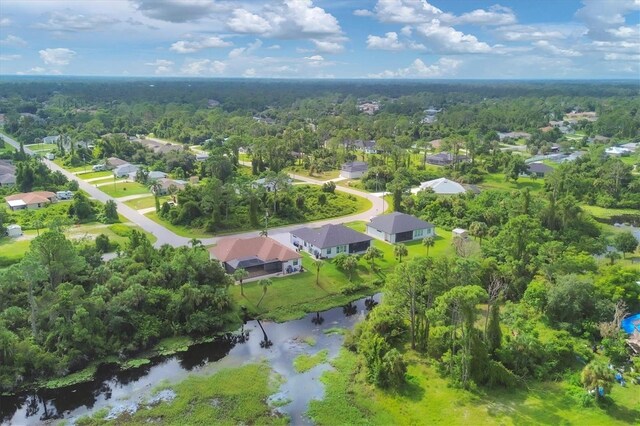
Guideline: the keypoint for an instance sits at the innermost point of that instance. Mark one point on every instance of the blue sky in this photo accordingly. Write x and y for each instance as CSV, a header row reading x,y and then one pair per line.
x,y
426,39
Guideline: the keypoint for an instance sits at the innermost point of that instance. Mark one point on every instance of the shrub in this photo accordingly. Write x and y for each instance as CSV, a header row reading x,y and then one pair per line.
x,y
120,230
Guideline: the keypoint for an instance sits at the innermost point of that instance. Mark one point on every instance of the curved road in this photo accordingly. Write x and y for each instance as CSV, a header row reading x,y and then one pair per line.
x,y
165,236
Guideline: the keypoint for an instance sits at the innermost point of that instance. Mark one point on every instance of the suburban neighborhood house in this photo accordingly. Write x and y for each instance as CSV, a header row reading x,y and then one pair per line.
x,y
257,255
30,200
164,186
268,184
442,186
113,162
353,170
445,159
538,169
397,227
7,173
330,240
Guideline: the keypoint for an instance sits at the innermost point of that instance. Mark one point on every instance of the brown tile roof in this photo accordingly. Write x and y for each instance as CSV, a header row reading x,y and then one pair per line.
x,y
32,197
264,248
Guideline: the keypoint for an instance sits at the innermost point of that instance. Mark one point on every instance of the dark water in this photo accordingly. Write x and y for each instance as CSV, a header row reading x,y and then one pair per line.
x,y
277,343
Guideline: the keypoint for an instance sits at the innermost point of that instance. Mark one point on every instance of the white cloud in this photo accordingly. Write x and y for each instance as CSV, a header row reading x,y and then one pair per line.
x,y
329,46
65,22
388,42
249,72
622,57
274,47
363,12
447,39
244,51
186,46
5,22
315,58
246,22
625,32
496,15
204,67
603,15
13,41
533,32
554,50
9,57
162,66
444,67
176,10
57,57
406,11
34,70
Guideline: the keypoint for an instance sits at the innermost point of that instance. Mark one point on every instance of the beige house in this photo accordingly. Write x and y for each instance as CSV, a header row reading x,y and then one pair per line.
x,y
30,200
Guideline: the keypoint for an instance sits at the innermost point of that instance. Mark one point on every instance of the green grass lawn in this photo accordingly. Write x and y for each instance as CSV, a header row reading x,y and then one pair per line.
x,y
295,295
607,213
123,189
11,251
146,202
183,231
327,175
427,398
41,147
60,162
497,181
93,175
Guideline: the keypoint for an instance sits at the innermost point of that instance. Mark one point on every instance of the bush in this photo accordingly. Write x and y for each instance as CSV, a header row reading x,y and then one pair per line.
x,y
329,187
102,243
120,230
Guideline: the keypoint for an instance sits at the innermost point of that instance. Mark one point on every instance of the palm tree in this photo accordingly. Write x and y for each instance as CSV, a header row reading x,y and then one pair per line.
x,y
239,275
595,376
612,256
400,251
372,254
318,263
264,283
428,242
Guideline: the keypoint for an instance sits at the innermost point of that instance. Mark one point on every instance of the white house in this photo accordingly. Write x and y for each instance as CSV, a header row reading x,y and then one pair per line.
x,y
443,186
460,233
125,170
330,240
51,139
353,170
617,151
268,185
397,227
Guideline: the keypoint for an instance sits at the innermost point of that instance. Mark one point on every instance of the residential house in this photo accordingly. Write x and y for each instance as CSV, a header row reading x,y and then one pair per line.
x,y
397,227
113,162
257,255
354,169
538,169
51,139
617,151
442,186
368,147
369,108
202,156
165,186
631,146
153,175
513,135
30,200
125,170
7,173
159,147
436,144
330,240
445,158
267,184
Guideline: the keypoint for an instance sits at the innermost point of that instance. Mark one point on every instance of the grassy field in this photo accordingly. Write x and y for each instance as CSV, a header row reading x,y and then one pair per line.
x,y
330,174
59,161
607,213
93,175
183,231
41,147
229,397
11,251
123,189
295,295
146,202
497,181
428,398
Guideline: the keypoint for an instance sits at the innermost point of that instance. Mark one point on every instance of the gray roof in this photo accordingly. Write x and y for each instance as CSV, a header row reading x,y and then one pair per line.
x,y
396,222
539,168
355,166
330,236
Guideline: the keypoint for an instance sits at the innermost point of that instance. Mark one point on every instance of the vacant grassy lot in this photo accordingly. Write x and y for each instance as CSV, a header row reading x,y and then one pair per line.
x,y
327,175
183,231
122,189
497,181
146,202
428,398
41,147
93,175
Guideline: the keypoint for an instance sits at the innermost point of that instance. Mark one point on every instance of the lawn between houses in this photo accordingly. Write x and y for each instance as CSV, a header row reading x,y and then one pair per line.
x,y
295,295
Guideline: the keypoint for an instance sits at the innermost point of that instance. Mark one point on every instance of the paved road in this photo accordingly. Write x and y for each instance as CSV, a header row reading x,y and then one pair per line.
x,y
164,236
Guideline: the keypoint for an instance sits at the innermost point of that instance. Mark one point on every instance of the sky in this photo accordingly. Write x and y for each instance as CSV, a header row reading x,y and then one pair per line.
x,y
394,39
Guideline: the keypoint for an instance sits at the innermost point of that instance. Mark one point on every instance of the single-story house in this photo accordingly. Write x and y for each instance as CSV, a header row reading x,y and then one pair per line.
x,y
257,255
30,200
51,139
14,231
125,170
368,147
202,156
354,169
7,173
154,174
268,185
460,233
443,186
445,159
538,169
631,146
617,151
330,240
113,162
513,135
165,184
436,144
159,147
397,227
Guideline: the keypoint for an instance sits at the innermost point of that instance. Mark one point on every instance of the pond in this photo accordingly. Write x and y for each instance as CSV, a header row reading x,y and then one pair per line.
x,y
277,343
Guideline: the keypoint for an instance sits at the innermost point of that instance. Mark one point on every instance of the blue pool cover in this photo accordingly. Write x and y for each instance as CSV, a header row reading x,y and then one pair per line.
x,y
631,324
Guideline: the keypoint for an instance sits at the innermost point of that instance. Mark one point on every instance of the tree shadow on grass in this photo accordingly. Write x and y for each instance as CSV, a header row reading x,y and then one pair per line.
x,y
623,414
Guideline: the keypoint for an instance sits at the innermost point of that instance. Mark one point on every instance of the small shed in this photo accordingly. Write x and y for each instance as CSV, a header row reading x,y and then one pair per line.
x,y
14,231
460,233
